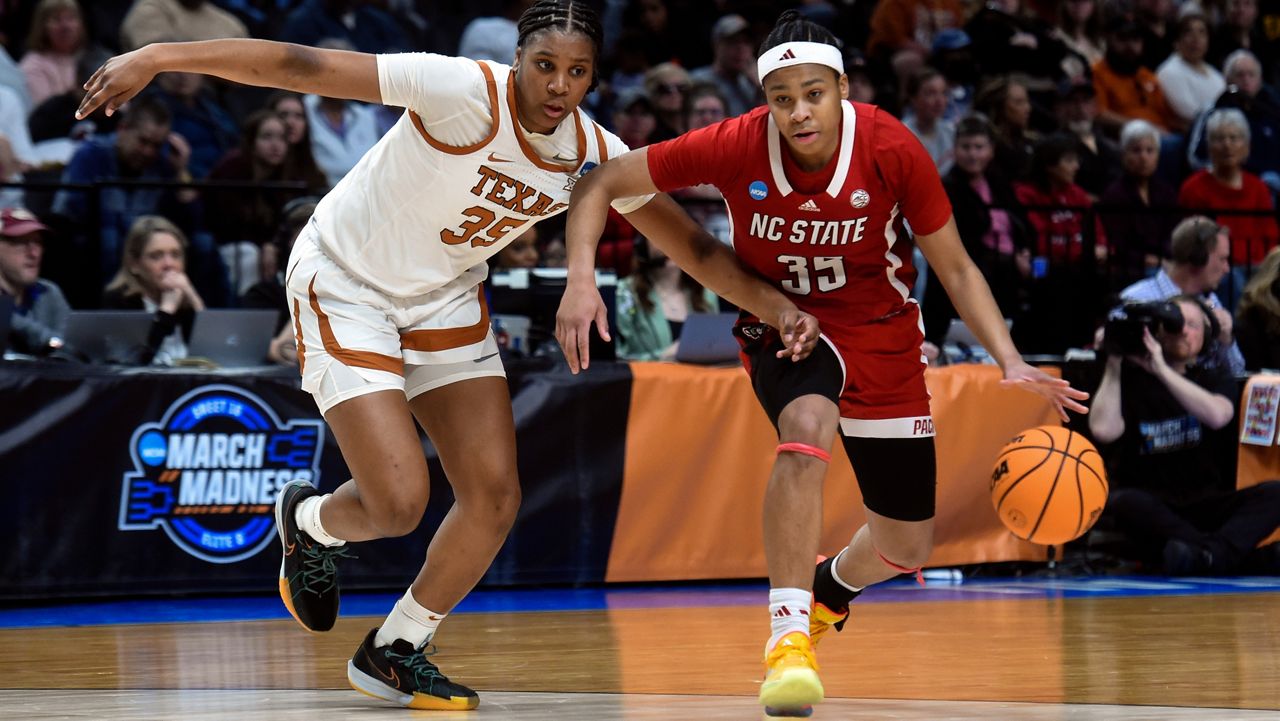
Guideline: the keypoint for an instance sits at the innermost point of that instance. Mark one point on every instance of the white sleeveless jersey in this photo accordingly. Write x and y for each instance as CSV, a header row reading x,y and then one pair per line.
x,y
430,202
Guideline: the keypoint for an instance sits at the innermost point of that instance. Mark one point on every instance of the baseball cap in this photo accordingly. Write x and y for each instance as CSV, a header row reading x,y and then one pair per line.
x,y
16,222
1069,87
950,39
728,26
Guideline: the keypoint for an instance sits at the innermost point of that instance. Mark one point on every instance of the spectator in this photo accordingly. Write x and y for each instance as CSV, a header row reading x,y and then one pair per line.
x,y
1260,104
953,55
1006,102
1238,30
1189,83
17,154
269,293
152,277
519,253
1077,111
1126,88
142,148
1006,40
364,25
1080,29
55,49
1065,289
11,77
493,37
39,309
156,21
1140,207
300,163
651,21
1199,258
902,32
703,106
666,85
1257,327
342,131
653,303
992,226
927,103
1226,185
730,70
633,117
1154,415
208,129
1153,20
244,221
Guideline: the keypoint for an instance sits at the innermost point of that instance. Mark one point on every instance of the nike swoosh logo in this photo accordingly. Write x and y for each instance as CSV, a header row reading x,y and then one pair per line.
x,y
289,548
495,158
393,678
435,618
485,358
564,160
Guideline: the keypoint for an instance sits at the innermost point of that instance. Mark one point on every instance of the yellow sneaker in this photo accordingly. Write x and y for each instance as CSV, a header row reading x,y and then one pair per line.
x,y
791,684
822,618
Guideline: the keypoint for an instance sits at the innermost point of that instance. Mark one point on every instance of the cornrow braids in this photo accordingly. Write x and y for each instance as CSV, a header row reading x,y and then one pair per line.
x,y
566,16
793,27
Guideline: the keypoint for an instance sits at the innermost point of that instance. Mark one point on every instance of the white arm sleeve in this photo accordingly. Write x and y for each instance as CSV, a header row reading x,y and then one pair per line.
x,y
450,95
616,147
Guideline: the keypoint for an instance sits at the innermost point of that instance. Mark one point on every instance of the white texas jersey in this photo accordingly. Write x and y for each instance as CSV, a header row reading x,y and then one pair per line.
x,y
454,181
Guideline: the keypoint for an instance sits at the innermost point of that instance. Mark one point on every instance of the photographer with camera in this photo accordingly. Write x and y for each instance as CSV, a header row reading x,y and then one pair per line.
x,y
1200,257
1154,415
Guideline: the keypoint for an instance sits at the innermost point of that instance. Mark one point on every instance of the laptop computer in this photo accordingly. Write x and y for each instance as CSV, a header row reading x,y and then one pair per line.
x,y
707,338
233,338
107,336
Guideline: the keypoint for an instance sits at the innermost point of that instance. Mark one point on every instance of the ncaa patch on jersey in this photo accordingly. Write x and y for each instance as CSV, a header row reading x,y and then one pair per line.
x,y
207,472
758,190
859,198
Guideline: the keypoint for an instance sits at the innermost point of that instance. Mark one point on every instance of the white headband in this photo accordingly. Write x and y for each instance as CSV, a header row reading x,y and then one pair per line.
x,y
798,53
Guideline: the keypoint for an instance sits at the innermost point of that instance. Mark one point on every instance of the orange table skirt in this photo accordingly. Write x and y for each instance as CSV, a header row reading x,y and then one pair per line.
x,y
700,449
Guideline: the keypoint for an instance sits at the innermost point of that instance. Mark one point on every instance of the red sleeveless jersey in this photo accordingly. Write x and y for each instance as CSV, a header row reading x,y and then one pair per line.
x,y
842,252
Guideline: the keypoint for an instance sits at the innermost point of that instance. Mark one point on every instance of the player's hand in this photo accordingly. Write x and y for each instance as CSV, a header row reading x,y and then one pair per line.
x,y
579,307
1059,392
799,332
116,82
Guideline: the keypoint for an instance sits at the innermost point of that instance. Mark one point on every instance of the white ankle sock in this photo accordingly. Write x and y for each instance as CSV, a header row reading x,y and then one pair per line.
x,y
788,612
835,573
308,517
410,621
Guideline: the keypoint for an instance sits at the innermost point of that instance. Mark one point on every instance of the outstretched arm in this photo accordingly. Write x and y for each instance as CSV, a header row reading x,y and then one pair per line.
x,y
971,296
665,224
265,63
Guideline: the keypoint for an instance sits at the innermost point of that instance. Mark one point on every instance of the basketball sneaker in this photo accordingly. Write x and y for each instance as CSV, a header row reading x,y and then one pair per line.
x,y
308,571
791,685
401,674
822,618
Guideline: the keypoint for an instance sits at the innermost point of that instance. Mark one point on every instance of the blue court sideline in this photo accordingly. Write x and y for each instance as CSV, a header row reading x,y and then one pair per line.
x,y
258,608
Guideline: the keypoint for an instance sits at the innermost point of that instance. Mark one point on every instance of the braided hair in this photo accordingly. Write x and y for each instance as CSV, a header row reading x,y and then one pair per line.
x,y
566,16
792,27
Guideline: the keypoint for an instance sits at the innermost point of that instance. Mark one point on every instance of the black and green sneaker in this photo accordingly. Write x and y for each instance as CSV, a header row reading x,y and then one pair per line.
x,y
308,574
401,674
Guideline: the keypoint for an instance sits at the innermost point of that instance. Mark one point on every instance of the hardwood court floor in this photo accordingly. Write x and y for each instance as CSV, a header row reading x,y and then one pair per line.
x,y
1147,657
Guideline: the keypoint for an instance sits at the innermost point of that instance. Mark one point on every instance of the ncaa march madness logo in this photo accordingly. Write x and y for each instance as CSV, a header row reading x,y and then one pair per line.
x,y
208,472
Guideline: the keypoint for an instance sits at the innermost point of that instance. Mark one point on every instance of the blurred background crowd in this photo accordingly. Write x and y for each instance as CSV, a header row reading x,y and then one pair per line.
x,y
1072,137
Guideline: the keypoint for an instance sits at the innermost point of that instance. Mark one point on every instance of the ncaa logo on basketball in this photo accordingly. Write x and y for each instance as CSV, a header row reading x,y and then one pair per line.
x,y
207,473
859,198
758,190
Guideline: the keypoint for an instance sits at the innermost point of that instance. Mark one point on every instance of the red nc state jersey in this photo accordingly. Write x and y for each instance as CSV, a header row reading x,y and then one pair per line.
x,y
842,252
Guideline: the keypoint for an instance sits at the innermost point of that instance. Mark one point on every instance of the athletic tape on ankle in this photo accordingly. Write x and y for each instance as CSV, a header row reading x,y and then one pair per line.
x,y
806,450
902,569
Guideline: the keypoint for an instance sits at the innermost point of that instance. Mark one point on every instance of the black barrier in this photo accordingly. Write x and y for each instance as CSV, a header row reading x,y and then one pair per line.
x,y
124,482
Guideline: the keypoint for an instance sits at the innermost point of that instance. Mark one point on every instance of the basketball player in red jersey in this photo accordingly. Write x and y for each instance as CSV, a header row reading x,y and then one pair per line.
x,y
384,289
824,196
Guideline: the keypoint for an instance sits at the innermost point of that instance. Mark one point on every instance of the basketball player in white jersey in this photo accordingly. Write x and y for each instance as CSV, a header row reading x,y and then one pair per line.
x,y
384,289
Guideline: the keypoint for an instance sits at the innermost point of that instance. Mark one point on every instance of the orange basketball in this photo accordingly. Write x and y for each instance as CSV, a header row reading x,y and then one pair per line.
x,y
1049,485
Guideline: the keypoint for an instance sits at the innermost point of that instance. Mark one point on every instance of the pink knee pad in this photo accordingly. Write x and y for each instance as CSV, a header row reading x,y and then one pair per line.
x,y
806,450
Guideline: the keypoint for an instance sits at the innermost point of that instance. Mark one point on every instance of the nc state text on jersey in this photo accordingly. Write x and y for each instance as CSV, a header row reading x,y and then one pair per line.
x,y
523,199
813,232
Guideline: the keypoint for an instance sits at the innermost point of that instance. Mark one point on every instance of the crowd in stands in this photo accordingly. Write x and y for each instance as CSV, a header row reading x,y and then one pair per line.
x,y
1072,135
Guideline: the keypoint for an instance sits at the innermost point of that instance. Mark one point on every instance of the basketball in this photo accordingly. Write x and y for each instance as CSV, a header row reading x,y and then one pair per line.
x,y
1048,485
